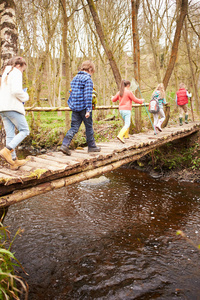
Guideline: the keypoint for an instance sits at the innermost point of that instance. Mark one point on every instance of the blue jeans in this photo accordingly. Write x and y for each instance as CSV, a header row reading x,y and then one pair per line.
x,y
126,115
12,120
77,119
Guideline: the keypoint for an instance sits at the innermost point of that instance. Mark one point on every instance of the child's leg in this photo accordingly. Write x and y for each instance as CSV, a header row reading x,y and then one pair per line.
x,y
155,118
75,125
126,115
162,116
11,120
180,108
186,113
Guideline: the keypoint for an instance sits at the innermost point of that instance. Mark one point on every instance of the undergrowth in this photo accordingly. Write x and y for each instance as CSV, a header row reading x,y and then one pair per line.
x,y
11,285
172,157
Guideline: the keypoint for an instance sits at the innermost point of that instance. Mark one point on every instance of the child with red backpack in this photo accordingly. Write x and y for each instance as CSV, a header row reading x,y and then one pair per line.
x,y
182,96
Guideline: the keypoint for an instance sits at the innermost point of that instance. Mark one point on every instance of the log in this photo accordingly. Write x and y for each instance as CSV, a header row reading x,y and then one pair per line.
x,y
21,195
65,108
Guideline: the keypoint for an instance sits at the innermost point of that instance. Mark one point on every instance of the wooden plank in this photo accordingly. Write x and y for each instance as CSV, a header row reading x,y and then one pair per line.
x,y
62,158
45,162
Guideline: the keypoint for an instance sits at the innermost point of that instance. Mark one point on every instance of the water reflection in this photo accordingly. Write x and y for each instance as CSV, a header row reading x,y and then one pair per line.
x,y
113,240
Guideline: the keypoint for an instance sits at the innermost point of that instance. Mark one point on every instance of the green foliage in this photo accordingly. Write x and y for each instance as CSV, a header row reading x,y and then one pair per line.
x,y
170,157
49,119
11,286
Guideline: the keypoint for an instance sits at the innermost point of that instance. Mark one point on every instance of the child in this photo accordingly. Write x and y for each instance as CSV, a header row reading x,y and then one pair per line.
x,y
125,97
12,110
159,94
182,96
80,102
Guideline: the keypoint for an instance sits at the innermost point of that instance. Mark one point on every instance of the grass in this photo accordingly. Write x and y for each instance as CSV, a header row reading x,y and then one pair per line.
x,y
11,285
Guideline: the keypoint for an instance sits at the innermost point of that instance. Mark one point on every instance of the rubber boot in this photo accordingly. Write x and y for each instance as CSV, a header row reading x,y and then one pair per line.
x,y
5,153
186,119
181,121
158,126
121,135
126,136
18,163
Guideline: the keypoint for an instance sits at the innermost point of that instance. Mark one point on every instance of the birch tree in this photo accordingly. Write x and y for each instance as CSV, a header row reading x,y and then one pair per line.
x,y
8,28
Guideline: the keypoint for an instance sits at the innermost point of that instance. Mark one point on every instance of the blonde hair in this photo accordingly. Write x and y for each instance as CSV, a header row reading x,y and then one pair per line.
x,y
181,85
161,89
88,66
14,61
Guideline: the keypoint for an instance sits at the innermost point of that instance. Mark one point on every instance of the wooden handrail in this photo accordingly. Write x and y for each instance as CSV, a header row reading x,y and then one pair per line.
x,y
65,108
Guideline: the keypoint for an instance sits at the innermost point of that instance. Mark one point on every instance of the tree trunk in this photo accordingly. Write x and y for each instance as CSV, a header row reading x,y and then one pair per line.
x,y
104,42
9,39
177,36
195,89
66,57
136,57
8,27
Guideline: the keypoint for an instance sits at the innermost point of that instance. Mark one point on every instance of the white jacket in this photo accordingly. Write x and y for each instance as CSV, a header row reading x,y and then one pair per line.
x,y
11,93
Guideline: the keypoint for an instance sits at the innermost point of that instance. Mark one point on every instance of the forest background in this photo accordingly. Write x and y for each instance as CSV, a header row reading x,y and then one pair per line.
x,y
151,41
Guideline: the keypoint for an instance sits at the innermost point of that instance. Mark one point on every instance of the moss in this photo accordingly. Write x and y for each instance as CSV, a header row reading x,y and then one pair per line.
x,y
38,173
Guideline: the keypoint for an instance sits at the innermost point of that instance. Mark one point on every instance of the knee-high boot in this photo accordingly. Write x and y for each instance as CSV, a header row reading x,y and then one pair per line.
x,y
121,135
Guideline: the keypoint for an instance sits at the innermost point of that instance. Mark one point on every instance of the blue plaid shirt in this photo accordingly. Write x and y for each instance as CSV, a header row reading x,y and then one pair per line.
x,y
81,92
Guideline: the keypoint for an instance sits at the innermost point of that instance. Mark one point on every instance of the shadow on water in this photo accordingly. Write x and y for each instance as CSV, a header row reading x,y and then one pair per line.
x,y
113,239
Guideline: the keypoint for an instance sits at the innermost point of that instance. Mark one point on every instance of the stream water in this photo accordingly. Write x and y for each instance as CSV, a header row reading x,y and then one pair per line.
x,y
110,239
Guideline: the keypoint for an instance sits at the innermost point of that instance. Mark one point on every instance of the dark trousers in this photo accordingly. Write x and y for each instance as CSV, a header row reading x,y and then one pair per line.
x,y
77,119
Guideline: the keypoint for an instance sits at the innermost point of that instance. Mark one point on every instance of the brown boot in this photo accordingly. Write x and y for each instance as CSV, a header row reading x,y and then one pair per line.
x,y
5,153
18,163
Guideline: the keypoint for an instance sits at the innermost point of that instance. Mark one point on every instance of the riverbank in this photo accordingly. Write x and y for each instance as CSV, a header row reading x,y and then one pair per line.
x,y
179,160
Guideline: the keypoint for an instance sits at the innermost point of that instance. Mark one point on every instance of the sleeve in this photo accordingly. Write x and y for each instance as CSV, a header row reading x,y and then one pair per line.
x,y
135,99
115,98
189,95
16,88
87,94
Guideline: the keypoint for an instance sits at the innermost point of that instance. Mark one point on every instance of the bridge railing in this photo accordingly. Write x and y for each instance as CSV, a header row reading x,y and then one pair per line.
x,y
135,106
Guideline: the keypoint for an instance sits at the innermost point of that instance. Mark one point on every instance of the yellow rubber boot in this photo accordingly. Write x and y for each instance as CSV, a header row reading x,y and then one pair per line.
x,y
5,153
121,135
126,136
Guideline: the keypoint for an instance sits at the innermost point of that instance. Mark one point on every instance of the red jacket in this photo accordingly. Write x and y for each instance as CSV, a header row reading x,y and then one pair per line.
x,y
182,98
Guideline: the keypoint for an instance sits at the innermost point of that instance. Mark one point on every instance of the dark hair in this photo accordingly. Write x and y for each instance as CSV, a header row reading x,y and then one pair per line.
x,y
124,83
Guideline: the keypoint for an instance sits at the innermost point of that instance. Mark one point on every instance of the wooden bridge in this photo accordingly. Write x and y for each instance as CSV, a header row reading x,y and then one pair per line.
x,y
54,170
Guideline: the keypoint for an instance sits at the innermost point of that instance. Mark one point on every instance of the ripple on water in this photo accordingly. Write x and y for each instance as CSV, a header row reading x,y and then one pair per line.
x,y
110,238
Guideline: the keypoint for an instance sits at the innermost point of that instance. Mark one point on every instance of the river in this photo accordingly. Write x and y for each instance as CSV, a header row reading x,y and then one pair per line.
x,y
114,239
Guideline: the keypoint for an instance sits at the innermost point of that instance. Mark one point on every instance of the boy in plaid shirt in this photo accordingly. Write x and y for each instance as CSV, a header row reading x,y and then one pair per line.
x,y
80,102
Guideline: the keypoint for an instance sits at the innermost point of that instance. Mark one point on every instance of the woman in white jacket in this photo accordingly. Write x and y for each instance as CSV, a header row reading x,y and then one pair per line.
x,y
12,98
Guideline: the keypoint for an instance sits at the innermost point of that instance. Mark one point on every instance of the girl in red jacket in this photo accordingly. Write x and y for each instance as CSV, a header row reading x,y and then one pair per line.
x,y
182,96
125,97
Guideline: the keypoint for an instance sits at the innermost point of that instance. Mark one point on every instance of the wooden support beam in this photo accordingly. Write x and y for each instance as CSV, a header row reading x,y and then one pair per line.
x,y
43,188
